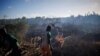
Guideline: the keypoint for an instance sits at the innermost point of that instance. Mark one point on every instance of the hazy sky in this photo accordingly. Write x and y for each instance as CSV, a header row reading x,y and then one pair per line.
x,y
48,8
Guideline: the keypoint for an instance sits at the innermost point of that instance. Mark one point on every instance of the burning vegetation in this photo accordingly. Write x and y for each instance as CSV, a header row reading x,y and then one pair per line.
x,y
72,36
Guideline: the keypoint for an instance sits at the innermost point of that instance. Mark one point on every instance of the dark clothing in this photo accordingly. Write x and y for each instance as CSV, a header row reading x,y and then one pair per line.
x,y
12,45
11,40
48,38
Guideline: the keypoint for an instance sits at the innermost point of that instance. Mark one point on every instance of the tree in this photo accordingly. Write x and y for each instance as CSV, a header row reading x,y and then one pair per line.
x,y
23,18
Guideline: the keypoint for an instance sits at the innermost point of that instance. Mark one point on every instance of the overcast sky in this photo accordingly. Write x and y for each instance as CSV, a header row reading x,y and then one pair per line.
x,y
48,8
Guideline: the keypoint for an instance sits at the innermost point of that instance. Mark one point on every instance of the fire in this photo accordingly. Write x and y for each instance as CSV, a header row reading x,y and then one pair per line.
x,y
60,39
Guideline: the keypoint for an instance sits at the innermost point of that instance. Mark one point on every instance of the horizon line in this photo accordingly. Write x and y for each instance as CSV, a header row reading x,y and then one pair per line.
x,y
86,14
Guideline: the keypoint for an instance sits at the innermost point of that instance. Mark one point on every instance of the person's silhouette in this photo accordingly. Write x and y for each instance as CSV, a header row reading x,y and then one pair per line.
x,y
46,46
9,43
48,30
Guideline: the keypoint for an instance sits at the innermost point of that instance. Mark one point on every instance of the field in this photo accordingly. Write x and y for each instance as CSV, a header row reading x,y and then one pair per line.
x,y
70,36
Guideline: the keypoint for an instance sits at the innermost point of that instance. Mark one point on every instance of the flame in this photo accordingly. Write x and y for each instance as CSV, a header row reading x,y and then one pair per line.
x,y
60,39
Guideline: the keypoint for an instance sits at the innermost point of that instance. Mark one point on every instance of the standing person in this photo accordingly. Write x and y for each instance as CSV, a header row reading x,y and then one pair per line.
x,y
46,47
8,43
48,30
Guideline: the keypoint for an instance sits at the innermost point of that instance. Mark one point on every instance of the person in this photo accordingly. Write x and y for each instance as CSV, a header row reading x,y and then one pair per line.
x,y
9,43
45,45
48,30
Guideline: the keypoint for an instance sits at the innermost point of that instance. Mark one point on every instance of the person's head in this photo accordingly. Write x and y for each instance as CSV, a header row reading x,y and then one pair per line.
x,y
48,28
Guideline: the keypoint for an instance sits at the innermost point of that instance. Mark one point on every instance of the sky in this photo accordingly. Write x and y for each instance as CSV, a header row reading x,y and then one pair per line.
x,y
47,8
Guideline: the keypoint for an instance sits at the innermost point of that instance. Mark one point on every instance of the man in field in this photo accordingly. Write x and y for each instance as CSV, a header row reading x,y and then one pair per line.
x,y
48,30
46,46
